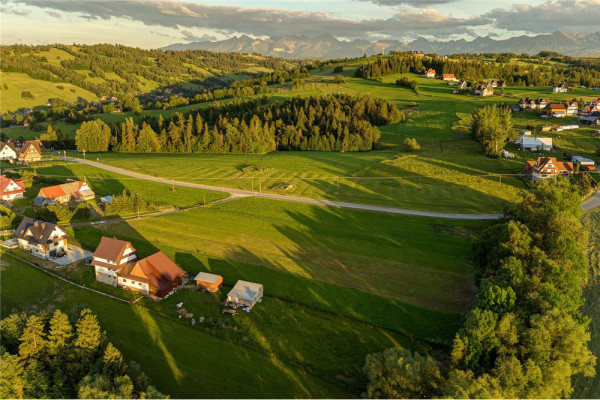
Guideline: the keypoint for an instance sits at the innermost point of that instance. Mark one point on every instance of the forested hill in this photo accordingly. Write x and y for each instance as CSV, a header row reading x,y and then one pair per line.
x,y
113,70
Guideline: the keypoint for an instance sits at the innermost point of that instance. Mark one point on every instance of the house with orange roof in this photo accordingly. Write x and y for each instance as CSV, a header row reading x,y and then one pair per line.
x,y
448,77
11,189
61,194
547,167
155,275
557,110
31,151
430,73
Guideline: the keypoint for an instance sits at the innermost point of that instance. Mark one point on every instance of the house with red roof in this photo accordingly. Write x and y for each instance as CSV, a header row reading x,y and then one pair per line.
x,y
547,167
61,194
430,73
448,77
11,189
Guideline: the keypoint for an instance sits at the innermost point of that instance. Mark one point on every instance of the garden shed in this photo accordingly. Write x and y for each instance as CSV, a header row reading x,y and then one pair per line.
x,y
210,282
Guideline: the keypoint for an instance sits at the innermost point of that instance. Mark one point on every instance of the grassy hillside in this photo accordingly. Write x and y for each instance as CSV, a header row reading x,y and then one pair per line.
x,y
180,360
14,83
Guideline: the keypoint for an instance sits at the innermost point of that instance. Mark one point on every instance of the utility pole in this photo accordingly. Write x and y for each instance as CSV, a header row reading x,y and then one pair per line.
x,y
500,180
252,184
260,187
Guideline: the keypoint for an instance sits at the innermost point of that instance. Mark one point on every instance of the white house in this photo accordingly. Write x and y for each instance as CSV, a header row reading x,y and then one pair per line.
x,y
42,238
8,151
11,189
110,257
560,88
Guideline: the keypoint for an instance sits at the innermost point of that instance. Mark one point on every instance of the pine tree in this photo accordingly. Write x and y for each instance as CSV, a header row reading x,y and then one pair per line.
x,y
113,362
60,333
33,341
88,331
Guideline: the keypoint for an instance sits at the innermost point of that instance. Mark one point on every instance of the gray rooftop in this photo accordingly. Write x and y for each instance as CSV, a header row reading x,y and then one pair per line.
x,y
245,290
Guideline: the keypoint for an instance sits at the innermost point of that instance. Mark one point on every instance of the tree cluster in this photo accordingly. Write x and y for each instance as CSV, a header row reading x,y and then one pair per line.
x,y
474,68
127,203
526,336
64,212
328,123
491,126
408,83
49,357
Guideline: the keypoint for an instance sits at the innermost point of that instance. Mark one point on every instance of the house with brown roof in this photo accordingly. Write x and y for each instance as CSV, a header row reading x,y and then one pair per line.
x,y
547,167
557,110
430,73
31,151
42,238
527,103
110,257
8,151
484,89
64,193
572,107
155,275
11,189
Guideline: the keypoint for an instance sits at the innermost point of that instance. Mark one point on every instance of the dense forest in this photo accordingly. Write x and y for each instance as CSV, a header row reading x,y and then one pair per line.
x,y
474,69
46,356
134,66
328,123
526,336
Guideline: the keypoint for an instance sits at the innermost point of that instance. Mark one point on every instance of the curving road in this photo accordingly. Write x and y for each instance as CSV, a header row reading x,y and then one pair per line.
x,y
238,193
592,202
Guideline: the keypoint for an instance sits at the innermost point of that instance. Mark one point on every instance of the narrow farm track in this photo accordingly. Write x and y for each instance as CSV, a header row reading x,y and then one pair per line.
x,y
238,193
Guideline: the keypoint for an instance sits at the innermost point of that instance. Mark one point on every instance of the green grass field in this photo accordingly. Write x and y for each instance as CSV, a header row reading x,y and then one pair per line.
x,y
108,183
181,361
11,100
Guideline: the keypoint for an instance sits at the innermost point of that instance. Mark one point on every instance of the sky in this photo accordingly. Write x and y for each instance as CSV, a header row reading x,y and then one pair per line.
x,y
157,23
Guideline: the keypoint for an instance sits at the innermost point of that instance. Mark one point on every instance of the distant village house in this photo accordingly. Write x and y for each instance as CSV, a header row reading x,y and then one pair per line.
x,y
31,151
547,167
61,194
11,189
8,151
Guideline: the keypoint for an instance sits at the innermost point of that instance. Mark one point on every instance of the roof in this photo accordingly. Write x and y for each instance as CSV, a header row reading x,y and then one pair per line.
x,y
5,181
72,188
111,248
534,141
555,106
158,271
35,143
10,144
245,290
206,277
580,159
40,230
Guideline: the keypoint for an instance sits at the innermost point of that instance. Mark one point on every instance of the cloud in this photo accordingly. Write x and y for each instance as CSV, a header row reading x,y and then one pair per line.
x,y
413,3
227,20
569,15
10,10
54,14
191,37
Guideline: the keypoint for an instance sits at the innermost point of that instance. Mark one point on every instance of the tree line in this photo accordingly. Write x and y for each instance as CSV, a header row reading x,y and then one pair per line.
x,y
473,68
44,357
319,123
526,336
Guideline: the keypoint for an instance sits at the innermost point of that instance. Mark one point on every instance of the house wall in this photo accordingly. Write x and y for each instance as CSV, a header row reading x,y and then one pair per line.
x,y
141,287
14,196
211,287
106,275
7,154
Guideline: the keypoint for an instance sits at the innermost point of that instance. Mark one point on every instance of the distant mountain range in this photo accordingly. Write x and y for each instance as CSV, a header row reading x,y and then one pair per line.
x,y
327,46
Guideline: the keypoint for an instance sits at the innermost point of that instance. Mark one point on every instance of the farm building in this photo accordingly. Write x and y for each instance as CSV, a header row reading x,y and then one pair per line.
x,y
11,189
154,275
40,237
547,167
31,151
589,120
60,194
209,282
585,164
8,151
534,143
246,293
556,110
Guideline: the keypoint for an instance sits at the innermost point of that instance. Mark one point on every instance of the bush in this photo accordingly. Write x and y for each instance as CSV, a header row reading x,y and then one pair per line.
x,y
7,217
26,94
412,144
407,83
127,203
339,79
339,69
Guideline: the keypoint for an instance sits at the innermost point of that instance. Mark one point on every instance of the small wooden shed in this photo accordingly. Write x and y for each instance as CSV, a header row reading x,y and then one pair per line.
x,y
210,282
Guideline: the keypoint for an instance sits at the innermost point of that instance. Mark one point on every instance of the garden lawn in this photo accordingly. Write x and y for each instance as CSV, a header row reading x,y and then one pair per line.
x,y
181,361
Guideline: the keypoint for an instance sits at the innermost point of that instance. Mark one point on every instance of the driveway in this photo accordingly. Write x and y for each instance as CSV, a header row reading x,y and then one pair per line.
x,y
592,202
